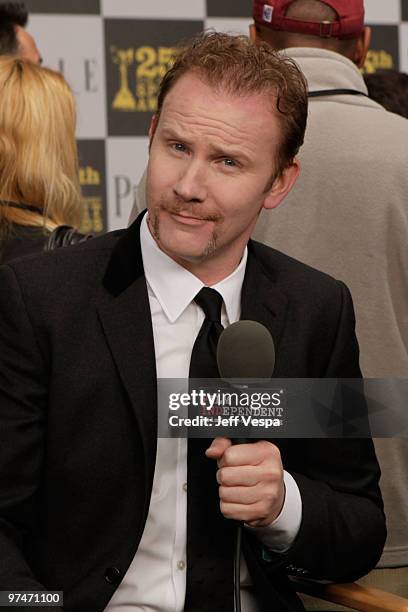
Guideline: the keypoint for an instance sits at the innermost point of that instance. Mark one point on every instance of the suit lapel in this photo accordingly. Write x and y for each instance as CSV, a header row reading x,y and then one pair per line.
x,y
261,300
124,313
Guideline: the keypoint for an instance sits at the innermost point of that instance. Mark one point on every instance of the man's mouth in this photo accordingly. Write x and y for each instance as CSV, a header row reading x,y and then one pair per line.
x,y
186,217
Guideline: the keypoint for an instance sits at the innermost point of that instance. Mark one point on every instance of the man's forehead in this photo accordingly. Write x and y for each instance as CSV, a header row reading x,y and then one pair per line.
x,y
220,120
192,86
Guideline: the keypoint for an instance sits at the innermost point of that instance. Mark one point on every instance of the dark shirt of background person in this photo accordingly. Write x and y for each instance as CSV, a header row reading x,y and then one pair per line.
x,y
390,89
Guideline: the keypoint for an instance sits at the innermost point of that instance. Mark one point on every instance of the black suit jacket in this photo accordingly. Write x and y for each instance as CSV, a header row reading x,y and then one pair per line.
x,y
78,422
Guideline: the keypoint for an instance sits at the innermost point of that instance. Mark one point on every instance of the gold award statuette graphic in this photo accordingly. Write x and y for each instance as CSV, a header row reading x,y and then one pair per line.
x,y
151,66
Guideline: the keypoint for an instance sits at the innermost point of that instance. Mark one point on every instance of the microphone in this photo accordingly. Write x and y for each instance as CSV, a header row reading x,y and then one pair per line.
x,y
245,350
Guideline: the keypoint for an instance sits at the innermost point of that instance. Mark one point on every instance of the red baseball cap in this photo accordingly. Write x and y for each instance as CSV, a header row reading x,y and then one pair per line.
x,y
350,22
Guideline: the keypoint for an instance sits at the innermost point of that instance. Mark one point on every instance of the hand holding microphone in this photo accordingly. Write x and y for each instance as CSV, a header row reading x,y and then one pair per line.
x,y
251,480
250,475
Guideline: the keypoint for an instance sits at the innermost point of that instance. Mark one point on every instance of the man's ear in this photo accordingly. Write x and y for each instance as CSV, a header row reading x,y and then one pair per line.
x,y
282,185
362,47
253,34
153,127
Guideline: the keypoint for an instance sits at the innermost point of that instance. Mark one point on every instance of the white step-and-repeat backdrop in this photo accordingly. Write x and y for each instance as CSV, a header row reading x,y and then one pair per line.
x,y
114,52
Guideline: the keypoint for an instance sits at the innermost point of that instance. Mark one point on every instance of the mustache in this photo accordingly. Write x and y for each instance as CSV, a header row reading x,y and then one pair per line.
x,y
191,211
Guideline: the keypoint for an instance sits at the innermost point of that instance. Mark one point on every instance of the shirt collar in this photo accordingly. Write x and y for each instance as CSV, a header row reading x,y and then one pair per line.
x,y
325,69
175,287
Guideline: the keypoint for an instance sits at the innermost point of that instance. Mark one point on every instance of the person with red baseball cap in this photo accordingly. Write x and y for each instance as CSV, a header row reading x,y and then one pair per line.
x,y
336,25
348,214
277,15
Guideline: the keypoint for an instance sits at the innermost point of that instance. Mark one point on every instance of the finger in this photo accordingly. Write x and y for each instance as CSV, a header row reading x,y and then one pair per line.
x,y
255,514
217,448
245,475
240,495
250,454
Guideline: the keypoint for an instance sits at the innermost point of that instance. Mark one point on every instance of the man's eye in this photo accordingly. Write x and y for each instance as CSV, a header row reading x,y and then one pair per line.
x,y
177,146
230,163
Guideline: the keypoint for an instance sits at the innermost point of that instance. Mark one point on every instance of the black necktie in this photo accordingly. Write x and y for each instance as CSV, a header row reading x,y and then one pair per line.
x,y
203,362
209,534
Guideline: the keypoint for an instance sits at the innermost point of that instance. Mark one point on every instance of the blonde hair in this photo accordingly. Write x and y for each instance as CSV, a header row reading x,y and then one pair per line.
x,y
38,153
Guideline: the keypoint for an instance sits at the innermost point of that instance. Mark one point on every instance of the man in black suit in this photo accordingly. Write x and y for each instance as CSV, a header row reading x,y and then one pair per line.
x,y
91,502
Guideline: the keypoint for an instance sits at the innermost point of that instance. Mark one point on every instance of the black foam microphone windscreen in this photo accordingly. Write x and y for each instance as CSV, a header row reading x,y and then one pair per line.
x,y
245,350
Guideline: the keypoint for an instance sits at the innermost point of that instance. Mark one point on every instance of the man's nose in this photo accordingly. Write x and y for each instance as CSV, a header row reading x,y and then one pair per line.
x,y
191,184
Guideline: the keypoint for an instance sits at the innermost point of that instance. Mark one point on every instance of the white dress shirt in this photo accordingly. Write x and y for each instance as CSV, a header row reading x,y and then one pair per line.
x,y
156,579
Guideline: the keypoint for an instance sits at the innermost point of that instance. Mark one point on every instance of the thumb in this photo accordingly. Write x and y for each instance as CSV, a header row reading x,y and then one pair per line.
x,y
218,448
